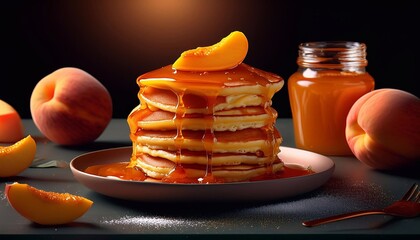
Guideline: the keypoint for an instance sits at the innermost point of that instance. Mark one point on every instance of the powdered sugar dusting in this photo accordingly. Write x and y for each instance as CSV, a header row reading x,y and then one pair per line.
x,y
152,222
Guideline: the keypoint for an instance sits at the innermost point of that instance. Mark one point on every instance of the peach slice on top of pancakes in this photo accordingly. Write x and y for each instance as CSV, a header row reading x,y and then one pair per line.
x,y
226,54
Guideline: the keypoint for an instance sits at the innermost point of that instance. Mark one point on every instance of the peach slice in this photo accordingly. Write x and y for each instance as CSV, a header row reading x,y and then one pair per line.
x,y
11,128
46,208
15,158
226,54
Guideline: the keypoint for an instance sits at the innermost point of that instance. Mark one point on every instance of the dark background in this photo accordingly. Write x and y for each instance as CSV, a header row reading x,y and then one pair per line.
x,y
118,40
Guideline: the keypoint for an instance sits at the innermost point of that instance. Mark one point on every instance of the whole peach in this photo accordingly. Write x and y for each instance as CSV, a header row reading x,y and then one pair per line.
x,y
11,127
383,129
70,106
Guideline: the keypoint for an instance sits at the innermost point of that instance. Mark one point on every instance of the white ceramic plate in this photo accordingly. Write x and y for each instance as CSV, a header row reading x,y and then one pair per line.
x,y
265,190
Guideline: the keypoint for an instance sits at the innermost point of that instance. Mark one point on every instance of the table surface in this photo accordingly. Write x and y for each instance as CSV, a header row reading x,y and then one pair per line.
x,y
353,186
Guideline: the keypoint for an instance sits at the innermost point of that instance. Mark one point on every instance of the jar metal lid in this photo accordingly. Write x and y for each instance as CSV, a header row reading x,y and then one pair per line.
x,y
333,54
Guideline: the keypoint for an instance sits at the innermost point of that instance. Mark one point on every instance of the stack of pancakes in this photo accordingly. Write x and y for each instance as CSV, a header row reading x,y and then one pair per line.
x,y
205,127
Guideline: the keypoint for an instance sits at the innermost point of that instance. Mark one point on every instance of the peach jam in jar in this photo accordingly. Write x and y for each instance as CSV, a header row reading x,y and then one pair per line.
x,y
331,76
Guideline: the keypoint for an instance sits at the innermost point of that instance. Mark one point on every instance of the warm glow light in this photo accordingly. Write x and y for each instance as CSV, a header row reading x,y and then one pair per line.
x,y
149,30
166,7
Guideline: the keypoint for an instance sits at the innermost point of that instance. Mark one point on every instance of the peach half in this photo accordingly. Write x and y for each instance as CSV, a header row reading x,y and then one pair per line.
x,y
226,54
383,129
15,158
46,208
11,128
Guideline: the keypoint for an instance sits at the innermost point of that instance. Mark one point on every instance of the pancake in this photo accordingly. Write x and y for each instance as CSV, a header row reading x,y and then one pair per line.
x,y
160,168
247,140
167,100
232,120
218,125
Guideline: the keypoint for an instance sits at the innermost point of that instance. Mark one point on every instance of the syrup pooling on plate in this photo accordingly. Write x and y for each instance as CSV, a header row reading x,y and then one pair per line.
x,y
119,170
122,171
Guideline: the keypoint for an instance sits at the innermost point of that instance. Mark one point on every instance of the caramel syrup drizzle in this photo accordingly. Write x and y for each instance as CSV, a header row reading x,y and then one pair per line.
x,y
209,138
179,138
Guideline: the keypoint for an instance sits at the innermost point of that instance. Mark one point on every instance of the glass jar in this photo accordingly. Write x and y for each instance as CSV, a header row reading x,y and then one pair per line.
x,y
331,76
